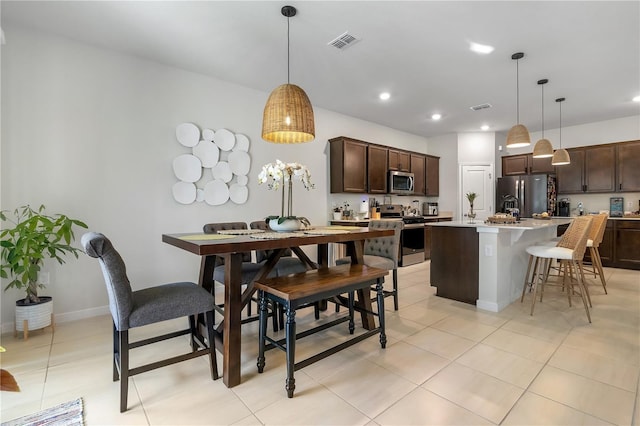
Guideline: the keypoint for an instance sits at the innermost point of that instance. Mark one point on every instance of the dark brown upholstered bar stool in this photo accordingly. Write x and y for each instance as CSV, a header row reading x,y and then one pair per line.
x,y
130,309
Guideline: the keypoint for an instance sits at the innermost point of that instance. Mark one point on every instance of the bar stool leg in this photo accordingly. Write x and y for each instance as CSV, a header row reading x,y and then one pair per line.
x,y
526,278
584,282
581,285
352,325
597,263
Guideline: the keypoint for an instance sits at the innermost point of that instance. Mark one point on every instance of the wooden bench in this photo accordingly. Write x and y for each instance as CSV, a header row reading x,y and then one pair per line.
x,y
296,290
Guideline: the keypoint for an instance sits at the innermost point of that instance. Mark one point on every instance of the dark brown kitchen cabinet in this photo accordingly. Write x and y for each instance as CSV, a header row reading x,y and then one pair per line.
x,y
626,248
629,166
348,164
570,176
399,160
432,176
600,168
525,164
418,163
377,169
592,169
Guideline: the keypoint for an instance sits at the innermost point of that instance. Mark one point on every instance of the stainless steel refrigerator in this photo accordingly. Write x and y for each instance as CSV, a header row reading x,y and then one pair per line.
x,y
528,193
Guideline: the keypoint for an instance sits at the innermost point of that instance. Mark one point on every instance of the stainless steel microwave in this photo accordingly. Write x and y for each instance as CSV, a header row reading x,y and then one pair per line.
x,y
400,183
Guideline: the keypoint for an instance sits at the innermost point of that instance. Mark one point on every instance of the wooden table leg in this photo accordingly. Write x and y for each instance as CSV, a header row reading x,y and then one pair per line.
x,y
356,251
232,319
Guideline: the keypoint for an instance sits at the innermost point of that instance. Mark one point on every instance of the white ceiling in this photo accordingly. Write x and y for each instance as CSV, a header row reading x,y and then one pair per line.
x,y
416,50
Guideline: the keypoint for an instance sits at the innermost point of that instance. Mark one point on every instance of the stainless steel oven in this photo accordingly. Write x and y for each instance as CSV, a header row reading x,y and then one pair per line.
x,y
412,237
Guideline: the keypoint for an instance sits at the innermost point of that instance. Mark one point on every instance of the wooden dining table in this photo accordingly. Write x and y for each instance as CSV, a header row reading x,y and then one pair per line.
x,y
231,247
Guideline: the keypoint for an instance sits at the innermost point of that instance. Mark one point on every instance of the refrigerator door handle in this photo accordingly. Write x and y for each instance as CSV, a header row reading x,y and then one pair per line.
x,y
523,202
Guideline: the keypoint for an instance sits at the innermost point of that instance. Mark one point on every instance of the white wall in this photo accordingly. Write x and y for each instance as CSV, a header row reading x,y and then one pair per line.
x,y
91,133
446,147
601,132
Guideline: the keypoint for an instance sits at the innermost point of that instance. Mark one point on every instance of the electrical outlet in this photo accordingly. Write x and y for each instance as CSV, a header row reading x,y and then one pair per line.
x,y
44,278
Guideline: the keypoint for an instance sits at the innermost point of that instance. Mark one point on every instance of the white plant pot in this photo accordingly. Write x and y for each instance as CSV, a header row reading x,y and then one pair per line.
x,y
38,316
289,225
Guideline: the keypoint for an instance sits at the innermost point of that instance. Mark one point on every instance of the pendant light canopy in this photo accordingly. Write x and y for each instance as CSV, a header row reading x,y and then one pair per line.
x,y
561,156
518,135
288,114
543,148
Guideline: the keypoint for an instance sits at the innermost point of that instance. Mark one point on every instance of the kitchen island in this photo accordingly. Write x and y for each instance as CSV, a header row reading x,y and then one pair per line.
x,y
485,264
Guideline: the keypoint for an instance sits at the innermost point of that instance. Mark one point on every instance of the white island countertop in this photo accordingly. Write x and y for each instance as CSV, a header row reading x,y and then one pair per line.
x,y
525,224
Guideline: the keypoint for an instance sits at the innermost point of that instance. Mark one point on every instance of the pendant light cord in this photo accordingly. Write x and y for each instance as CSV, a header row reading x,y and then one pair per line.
x,y
288,53
560,124
517,92
542,111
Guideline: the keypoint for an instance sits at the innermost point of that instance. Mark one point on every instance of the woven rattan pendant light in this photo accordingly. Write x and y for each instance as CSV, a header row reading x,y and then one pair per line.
x,y
561,156
543,148
288,114
518,135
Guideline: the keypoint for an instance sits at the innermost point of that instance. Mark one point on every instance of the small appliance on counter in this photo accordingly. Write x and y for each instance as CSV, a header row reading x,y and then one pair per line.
x,y
429,209
564,207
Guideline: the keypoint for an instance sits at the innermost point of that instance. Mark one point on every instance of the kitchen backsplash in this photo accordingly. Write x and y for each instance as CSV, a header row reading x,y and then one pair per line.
x,y
597,202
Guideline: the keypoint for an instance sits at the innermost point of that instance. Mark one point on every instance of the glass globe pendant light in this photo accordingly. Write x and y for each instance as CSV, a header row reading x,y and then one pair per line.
x,y
288,114
543,148
518,135
561,156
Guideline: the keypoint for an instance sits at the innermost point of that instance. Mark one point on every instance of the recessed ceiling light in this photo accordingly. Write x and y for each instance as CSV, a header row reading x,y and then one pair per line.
x,y
436,116
480,48
385,95
636,99
484,127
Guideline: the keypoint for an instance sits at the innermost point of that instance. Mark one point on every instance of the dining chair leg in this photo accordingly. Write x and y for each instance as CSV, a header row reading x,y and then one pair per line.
x,y
211,337
116,354
352,325
262,330
124,369
395,289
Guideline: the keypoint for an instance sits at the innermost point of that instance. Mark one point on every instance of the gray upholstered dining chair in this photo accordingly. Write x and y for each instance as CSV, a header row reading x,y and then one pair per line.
x,y
383,252
287,264
130,309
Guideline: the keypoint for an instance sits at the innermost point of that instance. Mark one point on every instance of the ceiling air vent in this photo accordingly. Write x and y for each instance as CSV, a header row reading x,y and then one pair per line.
x,y
343,41
481,106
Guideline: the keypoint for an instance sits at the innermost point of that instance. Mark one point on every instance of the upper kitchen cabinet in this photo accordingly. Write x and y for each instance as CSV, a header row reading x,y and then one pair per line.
x,y
348,164
592,169
432,182
525,164
418,168
399,160
629,166
377,171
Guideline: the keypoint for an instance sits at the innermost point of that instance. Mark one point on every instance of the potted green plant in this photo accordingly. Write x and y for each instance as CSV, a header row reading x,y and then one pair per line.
x,y
32,237
471,196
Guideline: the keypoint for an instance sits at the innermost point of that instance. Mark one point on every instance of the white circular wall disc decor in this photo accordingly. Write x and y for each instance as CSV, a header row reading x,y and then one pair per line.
x,y
187,168
188,134
200,195
207,152
242,180
216,193
207,134
238,193
184,192
239,161
222,171
224,139
242,143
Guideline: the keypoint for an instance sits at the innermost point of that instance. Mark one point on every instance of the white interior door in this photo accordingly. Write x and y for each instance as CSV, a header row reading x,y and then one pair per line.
x,y
477,178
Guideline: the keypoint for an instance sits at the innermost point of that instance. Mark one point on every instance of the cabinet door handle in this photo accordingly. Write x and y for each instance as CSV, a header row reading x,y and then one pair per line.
x,y
620,187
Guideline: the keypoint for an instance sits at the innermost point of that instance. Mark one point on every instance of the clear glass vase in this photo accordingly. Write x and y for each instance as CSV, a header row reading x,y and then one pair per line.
x,y
471,215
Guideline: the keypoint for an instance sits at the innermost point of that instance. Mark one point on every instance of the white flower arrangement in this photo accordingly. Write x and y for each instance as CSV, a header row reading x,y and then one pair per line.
x,y
277,174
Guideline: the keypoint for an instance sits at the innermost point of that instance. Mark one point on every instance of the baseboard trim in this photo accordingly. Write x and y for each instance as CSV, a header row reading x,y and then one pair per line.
x,y
67,316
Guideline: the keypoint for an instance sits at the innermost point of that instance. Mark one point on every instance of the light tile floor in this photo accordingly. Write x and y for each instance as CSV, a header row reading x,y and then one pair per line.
x,y
445,363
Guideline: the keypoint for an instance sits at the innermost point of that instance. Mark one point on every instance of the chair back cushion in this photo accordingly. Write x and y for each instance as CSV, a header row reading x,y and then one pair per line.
x,y
388,247
212,228
115,277
264,254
